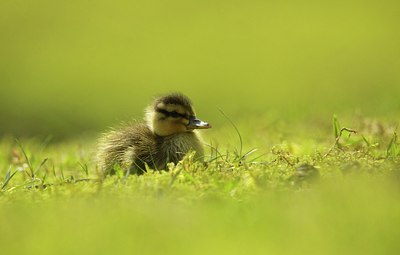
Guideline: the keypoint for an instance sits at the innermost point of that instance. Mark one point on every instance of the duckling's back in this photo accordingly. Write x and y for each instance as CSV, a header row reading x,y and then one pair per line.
x,y
129,147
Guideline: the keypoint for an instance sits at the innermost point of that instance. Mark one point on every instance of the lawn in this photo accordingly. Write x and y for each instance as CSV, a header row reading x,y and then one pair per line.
x,y
303,192
303,97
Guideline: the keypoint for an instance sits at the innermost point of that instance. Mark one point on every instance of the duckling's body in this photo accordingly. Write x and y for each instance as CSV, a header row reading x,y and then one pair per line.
x,y
166,136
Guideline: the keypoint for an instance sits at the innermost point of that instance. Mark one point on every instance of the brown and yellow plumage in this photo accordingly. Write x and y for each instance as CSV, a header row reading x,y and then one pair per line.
x,y
166,136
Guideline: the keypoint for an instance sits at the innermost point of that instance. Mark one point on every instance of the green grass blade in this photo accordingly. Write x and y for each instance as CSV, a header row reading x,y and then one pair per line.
x,y
391,150
8,178
236,129
40,166
336,126
84,168
32,171
248,153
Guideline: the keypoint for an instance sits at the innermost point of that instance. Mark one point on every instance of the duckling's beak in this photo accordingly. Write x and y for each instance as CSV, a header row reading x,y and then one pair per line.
x,y
195,123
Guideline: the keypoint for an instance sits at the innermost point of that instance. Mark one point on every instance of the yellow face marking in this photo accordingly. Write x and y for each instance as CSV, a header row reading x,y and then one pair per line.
x,y
161,106
185,121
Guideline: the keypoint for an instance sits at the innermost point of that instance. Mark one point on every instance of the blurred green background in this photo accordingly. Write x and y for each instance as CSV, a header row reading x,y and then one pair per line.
x,y
73,66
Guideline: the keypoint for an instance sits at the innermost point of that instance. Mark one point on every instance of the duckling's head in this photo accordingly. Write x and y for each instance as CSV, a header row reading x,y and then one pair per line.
x,y
172,114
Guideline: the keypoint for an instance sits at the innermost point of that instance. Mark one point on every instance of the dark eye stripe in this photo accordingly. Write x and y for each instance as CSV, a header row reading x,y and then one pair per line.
x,y
172,114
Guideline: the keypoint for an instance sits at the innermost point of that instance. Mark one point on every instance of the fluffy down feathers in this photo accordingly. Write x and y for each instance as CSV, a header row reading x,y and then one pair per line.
x,y
134,145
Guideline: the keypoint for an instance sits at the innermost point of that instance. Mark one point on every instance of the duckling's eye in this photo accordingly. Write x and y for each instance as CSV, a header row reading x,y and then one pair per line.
x,y
172,114
175,115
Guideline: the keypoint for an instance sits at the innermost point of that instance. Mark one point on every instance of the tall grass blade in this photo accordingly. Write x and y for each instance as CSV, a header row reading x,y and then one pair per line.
x,y
84,168
8,178
32,171
41,165
248,153
391,150
366,141
236,129
336,126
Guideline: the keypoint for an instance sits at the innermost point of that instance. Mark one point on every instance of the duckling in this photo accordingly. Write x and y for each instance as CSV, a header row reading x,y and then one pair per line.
x,y
167,135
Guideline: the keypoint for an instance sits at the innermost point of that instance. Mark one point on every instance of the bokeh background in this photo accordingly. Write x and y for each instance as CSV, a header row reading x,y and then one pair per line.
x,y
68,67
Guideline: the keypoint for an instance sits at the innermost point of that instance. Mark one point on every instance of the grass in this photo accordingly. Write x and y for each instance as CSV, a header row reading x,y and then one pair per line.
x,y
300,192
